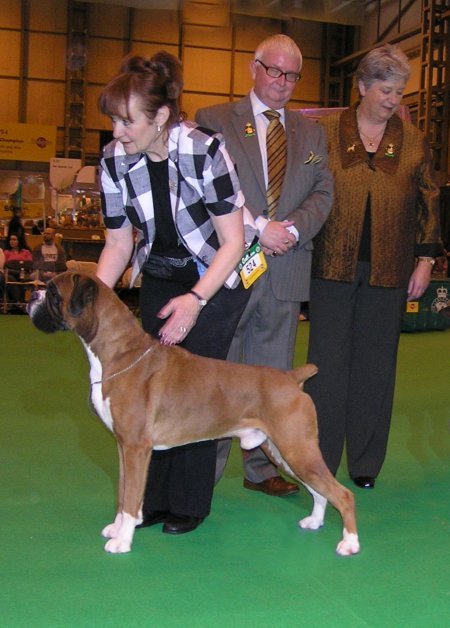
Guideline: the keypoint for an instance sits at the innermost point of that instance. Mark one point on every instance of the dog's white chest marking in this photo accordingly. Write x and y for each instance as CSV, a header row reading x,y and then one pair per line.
x,y
102,406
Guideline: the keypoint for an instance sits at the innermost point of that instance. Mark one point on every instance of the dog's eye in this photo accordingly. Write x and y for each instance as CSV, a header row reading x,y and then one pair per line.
x,y
53,293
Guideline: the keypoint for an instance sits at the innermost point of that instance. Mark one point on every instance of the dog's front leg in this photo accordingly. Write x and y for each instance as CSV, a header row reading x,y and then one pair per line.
x,y
112,530
134,462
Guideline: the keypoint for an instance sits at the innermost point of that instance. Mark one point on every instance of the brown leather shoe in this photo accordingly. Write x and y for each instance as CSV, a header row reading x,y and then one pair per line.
x,y
277,486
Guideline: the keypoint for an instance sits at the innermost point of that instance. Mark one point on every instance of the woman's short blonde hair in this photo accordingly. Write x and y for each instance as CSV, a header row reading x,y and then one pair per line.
x,y
383,64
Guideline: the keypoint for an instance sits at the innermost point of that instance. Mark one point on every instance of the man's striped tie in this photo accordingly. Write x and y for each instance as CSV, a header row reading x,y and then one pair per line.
x,y
276,160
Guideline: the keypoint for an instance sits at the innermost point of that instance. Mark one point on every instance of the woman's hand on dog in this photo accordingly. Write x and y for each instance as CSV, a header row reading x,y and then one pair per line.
x,y
181,314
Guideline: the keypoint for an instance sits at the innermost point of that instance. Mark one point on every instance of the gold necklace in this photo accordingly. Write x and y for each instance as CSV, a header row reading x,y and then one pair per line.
x,y
371,140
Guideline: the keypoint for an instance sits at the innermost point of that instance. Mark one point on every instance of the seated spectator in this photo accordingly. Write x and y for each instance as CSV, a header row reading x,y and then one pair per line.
x,y
18,260
49,259
17,250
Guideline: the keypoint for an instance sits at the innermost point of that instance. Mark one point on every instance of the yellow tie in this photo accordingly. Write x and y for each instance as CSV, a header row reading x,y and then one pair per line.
x,y
276,160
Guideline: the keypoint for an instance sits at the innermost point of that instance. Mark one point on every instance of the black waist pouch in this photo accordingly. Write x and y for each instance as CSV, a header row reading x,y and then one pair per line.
x,y
171,268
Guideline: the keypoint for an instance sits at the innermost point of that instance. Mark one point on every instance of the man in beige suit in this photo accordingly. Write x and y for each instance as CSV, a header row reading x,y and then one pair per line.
x,y
267,330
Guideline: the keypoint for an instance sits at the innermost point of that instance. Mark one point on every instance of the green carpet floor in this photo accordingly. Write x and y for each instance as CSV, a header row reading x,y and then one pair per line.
x,y
248,565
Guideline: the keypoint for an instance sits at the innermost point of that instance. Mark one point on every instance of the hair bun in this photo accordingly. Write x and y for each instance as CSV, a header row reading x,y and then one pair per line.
x,y
134,64
170,68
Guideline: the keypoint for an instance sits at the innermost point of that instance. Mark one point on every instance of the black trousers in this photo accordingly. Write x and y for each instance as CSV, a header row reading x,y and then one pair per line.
x,y
181,480
354,336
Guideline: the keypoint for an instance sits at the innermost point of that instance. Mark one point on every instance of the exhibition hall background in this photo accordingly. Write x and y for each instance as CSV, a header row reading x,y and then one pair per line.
x,y
55,55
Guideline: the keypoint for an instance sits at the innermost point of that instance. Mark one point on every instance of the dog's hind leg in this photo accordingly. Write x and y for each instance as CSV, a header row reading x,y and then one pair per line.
x,y
324,487
134,461
308,466
317,516
315,520
350,543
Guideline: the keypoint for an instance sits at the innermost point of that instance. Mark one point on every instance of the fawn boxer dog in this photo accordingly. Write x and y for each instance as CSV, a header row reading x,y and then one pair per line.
x,y
138,387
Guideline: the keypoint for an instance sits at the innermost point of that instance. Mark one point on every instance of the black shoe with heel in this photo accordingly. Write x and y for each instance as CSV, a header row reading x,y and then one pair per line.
x,y
364,481
180,524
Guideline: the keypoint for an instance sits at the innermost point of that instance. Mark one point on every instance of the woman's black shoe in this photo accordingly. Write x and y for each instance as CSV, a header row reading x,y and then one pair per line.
x,y
180,524
152,518
364,482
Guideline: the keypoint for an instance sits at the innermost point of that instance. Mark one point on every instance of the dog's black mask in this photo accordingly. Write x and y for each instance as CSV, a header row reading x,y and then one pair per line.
x,y
47,315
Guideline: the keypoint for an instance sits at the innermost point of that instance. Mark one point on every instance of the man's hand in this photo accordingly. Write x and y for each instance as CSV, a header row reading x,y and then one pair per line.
x,y
276,239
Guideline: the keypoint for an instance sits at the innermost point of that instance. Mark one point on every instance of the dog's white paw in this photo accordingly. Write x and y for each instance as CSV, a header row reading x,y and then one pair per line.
x,y
112,530
349,544
310,523
120,533
118,546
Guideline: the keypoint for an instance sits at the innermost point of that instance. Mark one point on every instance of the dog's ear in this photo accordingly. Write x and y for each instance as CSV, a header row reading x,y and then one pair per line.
x,y
85,291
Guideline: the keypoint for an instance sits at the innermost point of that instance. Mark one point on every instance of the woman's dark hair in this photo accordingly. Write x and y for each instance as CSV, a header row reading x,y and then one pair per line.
x,y
21,241
157,81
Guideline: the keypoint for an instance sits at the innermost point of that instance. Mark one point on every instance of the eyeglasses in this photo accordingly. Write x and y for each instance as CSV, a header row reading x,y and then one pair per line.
x,y
292,77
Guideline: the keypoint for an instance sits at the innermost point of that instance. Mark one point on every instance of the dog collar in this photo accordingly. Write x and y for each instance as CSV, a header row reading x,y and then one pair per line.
x,y
127,368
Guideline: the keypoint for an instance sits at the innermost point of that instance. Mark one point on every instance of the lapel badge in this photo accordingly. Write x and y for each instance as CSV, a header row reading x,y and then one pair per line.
x,y
390,151
313,159
351,148
249,131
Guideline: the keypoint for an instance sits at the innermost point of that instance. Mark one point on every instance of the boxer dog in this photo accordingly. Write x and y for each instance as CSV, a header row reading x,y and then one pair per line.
x,y
140,388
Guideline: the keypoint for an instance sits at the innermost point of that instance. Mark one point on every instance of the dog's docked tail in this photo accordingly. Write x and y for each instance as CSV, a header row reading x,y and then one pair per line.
x,y
303,372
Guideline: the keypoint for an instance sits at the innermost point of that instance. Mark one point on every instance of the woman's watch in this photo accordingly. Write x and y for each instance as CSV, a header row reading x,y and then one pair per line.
x,y
201,301
428,260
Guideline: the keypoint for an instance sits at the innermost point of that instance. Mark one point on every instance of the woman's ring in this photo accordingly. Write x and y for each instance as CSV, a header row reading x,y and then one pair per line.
x,y
286,242
183,330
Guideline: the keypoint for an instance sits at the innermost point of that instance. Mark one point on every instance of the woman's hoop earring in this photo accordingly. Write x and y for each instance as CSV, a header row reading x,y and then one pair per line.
x,y
158,128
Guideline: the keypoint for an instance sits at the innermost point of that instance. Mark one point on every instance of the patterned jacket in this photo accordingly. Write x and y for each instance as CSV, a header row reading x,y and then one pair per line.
x,y
404,202
202,182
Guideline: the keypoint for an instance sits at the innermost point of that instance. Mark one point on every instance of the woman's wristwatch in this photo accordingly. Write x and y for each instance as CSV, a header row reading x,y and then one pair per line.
x,y
428,260
201,301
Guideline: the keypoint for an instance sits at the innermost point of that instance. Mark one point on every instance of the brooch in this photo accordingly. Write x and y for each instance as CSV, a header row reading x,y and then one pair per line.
x,y
313,159
351,149
389,151
249,131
